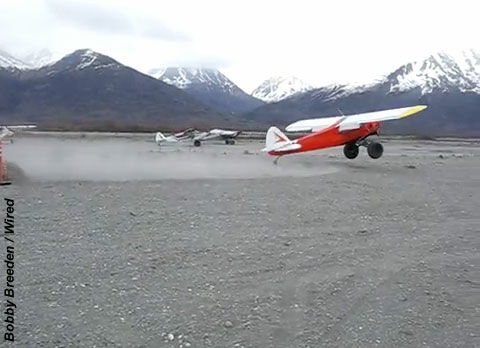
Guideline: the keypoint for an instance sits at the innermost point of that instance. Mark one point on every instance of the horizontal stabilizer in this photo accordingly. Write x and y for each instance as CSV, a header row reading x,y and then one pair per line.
x,y
283,147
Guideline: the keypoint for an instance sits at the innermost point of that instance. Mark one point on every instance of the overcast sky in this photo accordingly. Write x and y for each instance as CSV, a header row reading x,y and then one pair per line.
x,y
322,42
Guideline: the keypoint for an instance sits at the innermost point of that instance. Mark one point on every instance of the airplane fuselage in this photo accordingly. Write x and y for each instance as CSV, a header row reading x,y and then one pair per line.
x,y
330,138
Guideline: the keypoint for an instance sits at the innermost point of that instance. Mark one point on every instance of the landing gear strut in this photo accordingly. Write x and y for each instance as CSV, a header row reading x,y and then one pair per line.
x,y
374,149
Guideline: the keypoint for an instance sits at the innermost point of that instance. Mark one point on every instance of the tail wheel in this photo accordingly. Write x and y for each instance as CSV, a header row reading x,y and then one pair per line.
x,y
375,150
350,150
197,143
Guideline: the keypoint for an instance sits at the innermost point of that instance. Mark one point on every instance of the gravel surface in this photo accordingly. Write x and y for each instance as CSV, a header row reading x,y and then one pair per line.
x,y
121,244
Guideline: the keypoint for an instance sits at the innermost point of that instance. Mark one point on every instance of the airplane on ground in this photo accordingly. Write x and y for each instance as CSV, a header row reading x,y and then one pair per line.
x,y
9,131
226,135
187,134
351,131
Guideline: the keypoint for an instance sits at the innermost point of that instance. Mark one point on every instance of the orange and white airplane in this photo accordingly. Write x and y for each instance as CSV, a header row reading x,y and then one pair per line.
x,y
351,131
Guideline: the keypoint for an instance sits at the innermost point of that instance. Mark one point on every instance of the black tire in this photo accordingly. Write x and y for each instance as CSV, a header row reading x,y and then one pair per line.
x,y
350,150
197,143
232,142
375,150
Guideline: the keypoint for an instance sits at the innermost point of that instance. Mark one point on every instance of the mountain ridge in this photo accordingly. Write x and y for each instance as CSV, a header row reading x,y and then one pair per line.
x,y
8,61
209,86
277,88
89,89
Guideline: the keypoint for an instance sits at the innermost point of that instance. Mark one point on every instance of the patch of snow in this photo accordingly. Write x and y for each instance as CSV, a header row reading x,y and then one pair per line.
x,y
104,66
185,77
157,73
87,59
7,61
278,88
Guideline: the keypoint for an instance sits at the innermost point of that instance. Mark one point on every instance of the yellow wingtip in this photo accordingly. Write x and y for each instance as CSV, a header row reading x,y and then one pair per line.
x,y
413,110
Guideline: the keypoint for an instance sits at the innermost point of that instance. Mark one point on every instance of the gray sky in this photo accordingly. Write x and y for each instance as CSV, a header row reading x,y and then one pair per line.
x,y
321,42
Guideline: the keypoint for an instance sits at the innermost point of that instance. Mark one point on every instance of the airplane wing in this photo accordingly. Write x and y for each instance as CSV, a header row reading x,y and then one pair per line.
x,y
185,133
26,126
205,136
230,133
216,133
224,133
353,121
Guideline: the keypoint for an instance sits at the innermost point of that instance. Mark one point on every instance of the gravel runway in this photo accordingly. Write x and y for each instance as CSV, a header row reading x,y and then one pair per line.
x,y
121,244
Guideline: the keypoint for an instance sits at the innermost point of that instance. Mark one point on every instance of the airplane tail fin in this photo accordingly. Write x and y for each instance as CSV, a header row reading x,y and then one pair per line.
x,y
274,137
159,138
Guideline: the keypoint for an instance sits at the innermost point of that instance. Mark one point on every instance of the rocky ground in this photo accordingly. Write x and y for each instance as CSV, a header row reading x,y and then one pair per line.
x,y
121,244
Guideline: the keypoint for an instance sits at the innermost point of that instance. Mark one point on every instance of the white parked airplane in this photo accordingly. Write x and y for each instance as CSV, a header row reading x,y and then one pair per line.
x,y
174,138
9,131
226,135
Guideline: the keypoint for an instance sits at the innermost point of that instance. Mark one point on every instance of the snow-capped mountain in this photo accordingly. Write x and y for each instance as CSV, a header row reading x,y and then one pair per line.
x,y
38,59
7,61
88,89
278,88
439,72
209,86
184,78
449,83
83,59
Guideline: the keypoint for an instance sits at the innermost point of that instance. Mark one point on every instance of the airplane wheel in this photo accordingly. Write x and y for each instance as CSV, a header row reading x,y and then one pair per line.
x,y
231,142
197,143
227,141
350,150
375,150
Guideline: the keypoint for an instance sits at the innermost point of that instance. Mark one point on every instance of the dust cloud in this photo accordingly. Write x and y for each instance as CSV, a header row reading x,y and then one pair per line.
x,y
58,159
